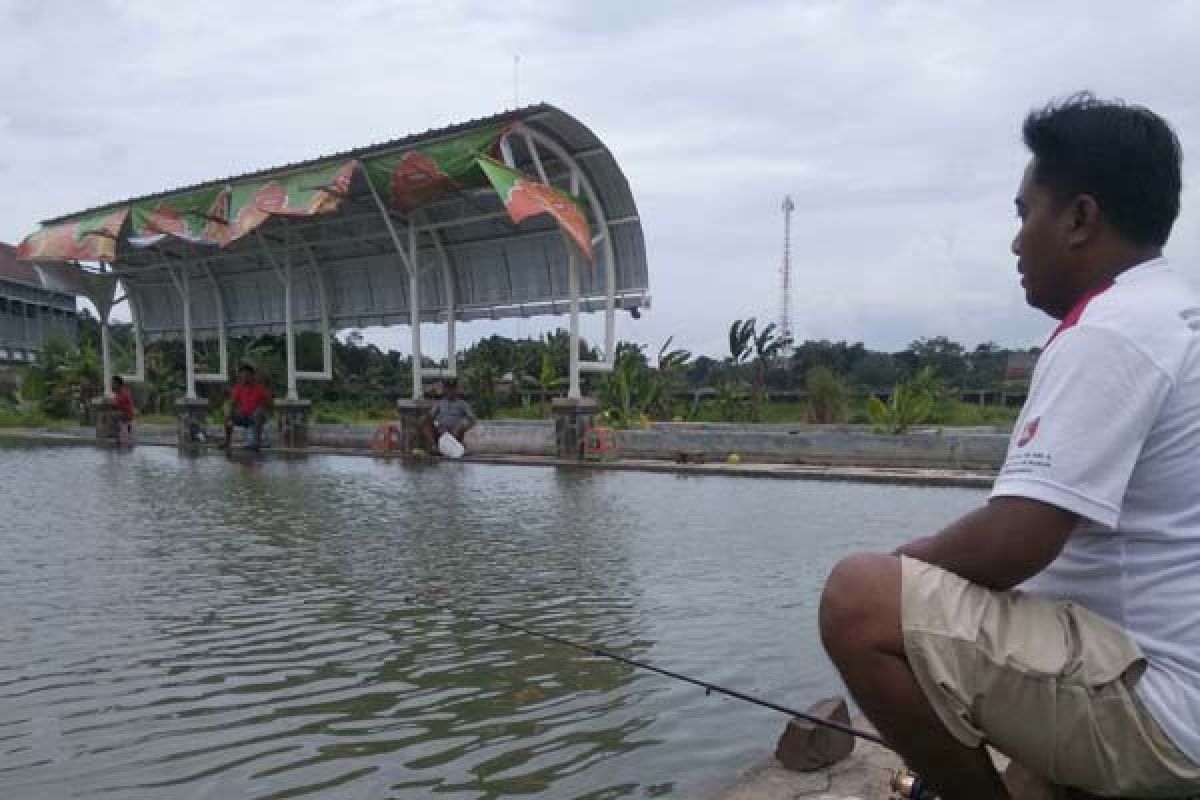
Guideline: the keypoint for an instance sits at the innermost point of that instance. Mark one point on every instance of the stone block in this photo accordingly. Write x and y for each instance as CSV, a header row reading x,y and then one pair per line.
x,y
190,414
411,412
293,422
806,746
572,418
108,419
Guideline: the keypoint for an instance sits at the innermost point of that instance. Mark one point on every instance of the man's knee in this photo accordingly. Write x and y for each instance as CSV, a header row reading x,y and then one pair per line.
x,y
860,605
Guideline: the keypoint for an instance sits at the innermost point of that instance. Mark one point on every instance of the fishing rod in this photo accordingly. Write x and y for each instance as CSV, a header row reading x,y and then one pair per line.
x,y
603,652
906,784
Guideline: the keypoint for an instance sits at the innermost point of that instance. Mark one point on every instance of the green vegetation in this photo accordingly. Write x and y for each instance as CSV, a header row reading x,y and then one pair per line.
x,y
822,382
828,397
909,405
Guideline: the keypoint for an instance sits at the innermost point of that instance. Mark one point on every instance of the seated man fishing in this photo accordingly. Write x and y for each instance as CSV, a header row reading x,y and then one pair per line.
x,y
249,403
450,414
1060,622
123,401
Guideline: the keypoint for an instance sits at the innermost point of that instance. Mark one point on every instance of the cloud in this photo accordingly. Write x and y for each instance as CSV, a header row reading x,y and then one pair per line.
x,y
894,126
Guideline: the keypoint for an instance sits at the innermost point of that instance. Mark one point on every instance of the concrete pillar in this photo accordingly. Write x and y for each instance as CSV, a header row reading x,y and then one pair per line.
x,y
190,415
293,422
572,416
107,418
411,412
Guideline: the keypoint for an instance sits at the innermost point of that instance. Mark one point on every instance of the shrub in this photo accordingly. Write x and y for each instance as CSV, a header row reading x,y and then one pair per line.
x,y
828,399
910,405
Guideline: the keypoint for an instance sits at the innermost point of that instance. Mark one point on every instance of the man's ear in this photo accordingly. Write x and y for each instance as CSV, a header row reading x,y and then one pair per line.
x,y
1084,220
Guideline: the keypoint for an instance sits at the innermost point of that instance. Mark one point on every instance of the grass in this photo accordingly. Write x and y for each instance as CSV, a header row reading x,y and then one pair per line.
x,y
957,414
949,414
534,411
329,414
11,417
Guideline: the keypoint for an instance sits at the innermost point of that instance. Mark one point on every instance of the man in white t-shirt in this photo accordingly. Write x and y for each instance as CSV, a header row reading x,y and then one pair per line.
x,y
1060,622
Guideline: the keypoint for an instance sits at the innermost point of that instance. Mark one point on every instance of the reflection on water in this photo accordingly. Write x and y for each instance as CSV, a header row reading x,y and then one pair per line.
x,y
176,627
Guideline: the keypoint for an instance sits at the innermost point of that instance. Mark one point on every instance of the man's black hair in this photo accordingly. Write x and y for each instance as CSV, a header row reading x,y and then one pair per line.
x,y
118,380
246,368
1126,157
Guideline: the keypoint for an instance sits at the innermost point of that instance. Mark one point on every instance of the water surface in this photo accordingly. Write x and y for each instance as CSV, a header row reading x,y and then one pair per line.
x,y
195,628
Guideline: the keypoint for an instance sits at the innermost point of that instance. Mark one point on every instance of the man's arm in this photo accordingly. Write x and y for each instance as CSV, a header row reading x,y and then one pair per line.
x,y
999,545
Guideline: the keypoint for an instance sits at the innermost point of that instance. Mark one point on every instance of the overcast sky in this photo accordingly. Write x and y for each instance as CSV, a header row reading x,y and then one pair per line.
x,y
894,126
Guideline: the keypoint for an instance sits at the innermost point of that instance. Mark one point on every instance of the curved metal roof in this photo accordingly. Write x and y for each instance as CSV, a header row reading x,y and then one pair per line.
x,y
493,267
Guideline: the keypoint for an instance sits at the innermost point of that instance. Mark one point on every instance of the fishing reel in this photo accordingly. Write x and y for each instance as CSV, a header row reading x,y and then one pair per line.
x,y
908,785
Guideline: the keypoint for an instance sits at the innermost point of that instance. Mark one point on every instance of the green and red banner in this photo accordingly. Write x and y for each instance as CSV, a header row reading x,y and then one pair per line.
x,y
90,238
221,215
200,216
414,178
300,194
524,197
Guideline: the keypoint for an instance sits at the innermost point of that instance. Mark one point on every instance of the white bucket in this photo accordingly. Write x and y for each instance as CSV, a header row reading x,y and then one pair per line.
x,y
450,447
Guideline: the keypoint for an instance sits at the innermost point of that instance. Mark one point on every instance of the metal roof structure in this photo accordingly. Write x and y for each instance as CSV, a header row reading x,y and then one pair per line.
x,y
29,311
14,271
410,229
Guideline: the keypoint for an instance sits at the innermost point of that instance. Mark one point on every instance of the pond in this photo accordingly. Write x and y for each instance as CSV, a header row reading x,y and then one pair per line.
x,y
178,627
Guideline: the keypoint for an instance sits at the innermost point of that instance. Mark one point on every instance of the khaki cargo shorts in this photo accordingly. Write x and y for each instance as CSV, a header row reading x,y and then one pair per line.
x,y
1049,684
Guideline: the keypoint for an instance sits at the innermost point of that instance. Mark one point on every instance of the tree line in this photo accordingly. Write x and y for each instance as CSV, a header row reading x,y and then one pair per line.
x,y
518,377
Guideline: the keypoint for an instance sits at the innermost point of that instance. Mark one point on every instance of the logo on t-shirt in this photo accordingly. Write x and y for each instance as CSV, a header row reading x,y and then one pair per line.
x,y
1030,431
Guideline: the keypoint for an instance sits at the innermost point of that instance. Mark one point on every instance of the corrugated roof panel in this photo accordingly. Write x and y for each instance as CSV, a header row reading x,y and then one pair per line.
x,y
17,271
500,269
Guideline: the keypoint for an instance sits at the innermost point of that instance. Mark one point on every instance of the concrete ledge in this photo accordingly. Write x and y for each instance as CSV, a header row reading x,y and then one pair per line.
x,y
913,476
864,775
801,445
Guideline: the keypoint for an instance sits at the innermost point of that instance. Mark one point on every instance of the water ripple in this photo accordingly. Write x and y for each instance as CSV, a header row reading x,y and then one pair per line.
x,y
206,628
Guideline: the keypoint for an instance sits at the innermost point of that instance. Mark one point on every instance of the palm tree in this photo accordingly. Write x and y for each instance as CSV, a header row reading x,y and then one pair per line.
x,y
910,405
671,365
625,390
766,347
546,381
741,336
731,399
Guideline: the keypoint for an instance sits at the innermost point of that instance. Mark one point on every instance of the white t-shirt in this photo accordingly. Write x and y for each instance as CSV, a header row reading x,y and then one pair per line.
x,y
1111,431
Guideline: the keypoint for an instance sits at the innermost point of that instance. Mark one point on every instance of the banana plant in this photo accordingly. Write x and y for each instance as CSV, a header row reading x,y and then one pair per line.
x,y
910,405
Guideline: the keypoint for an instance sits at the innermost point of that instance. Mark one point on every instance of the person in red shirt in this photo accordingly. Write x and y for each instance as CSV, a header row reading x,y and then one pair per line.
x,y
249,402
124,403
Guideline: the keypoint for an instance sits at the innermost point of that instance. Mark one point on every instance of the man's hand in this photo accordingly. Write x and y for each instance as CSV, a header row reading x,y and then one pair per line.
x,y
1000,545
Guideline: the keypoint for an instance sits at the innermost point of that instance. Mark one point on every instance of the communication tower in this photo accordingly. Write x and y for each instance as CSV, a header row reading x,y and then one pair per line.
x,y
785,280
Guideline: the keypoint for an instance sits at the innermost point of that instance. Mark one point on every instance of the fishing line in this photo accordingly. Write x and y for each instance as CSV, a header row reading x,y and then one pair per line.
x,y
603,652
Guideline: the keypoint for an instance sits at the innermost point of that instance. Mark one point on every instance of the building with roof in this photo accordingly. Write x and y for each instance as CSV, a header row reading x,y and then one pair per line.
x,y
521,214
30,311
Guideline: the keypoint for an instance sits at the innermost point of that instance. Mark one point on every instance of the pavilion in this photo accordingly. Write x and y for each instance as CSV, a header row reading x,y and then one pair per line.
x,y
520,214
